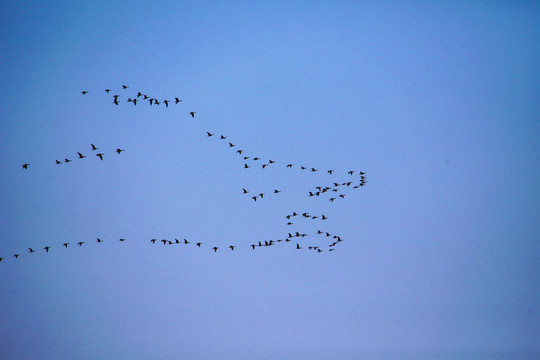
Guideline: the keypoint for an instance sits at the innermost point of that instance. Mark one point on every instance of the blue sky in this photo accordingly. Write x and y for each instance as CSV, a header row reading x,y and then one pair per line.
x,y
438,102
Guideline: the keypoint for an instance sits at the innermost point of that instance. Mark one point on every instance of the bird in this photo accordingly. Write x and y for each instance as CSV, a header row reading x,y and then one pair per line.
x,y
215,248
254,198
99,240
30,250
100,155
271,161
25,166
67,160
166,103
323,217
47,248
115,101
298,246
84,92
289,165
135,102
124,86
264,165
313,169
253,246
185,241
94,147
330,171
222,137
122,240
153,241
276,191
246,166
351,172
231,145
256,158
65,245
58,162
80,243
232,247
239,151
107,90
261,195
199,244
245,191
176,100
16,256
192,114
81,156
362,173
331,199
302,167
118,151
209,134
1,258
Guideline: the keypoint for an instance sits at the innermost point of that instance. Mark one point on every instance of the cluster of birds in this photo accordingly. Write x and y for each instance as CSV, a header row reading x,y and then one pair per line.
x,y
335,189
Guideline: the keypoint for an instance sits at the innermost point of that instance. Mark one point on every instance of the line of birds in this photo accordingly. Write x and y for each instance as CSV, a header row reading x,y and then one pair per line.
x,y
79,156
263,243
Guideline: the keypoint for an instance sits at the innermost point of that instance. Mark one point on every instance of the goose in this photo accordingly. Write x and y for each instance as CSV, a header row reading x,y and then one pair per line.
x,y
192,114
199,244
185,241
115,101
67,160
166,102
209,134
289,165
253,246
100,155
176,100
94,147
231,145
58,162
153,241
84,92
323,217
25,166
121,239
47,248
107,90
80,243
232,247
276,191
223,137
245,191
298,246
65,245
118,151
99,240
16,256
215,248
81,156
124,86
330,171
246,166
239,151
30,250
351,172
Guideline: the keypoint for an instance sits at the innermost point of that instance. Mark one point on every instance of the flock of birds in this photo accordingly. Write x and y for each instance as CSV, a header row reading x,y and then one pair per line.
x,y
334,190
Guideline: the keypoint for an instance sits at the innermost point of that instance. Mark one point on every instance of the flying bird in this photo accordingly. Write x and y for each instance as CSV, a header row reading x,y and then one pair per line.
x,y
30,250
192,114
84,92
94,147
67,160
330,171
124,87
122,240
215,248
65,245
223,137
16,256
231,145
166,103
209,134
199,244
80,243
47,248
25,166
245,191
232,247
107,90
99,240
118,151
100,155
81,156
177,100
58,162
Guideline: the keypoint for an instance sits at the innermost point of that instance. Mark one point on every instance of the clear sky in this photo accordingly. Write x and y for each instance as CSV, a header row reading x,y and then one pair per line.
x,y
438,102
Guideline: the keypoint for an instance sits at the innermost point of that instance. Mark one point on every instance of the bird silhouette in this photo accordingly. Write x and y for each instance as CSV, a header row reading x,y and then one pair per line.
x,y
25,166
215,248
177,100
232,247
80,243
67,160
298,246
199,244
166,102
47,248
209,134
81,156
94,147
65,245
122,240
58,162
289,165
84,92
351,172
231,145
330,171
107,90
124,86
118,151
30,250
99,240
222,137
100,155
16,256
192,114
245,191
153,241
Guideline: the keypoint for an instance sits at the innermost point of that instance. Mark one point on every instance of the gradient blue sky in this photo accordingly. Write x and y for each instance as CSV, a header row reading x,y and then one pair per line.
x,y
438,102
